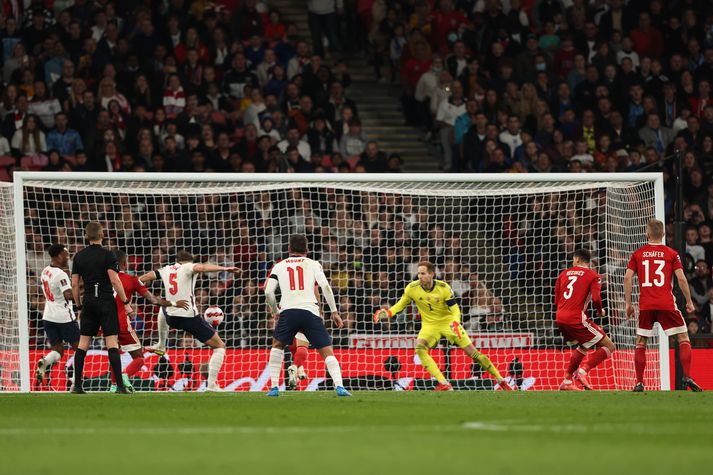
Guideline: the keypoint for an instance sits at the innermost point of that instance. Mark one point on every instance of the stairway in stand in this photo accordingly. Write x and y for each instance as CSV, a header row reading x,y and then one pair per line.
x,y
378,104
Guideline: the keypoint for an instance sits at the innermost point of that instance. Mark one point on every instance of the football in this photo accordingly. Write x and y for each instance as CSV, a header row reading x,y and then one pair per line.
x,y
214,315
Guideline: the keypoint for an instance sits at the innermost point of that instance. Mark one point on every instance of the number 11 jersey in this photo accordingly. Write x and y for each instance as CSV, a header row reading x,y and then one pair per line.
x,y
654,265
297,277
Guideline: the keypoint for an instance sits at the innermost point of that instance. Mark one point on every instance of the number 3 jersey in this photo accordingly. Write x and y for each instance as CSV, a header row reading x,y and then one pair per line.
x,y
574,289
55,282
654,266
179,281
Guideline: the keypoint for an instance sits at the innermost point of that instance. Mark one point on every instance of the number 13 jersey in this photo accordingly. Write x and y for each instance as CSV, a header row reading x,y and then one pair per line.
x,y
179,280
654,265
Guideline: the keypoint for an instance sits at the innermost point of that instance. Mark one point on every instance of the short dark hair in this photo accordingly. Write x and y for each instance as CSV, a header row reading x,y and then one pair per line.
x,y
56,249
298,243
583,255
120,255
184,256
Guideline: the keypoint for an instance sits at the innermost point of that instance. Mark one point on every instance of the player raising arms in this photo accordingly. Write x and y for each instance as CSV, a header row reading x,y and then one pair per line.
x,y
58,316
574,289
128,340
440,317
654,265
296,277
179,281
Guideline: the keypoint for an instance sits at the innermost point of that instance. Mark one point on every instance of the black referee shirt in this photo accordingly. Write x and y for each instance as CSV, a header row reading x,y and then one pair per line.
x,y
92,263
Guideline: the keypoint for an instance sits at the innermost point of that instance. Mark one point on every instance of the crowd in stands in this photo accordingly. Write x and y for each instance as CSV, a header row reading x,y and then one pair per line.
x,y
519,86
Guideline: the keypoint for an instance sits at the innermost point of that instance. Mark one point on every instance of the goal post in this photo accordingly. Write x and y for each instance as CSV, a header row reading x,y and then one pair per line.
x,y
498,239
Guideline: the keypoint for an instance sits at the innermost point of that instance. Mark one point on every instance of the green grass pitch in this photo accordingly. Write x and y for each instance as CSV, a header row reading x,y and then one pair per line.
x,y
371,433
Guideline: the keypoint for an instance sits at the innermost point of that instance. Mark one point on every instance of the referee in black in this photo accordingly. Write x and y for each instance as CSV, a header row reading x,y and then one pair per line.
x,y
98,268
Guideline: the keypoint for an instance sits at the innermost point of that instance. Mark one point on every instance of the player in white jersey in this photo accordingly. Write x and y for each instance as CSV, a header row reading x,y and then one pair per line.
x,y
299,311
179,281
58,317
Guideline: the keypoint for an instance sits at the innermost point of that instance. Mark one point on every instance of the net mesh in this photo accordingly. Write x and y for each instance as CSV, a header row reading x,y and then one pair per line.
x,y
499,245
9,331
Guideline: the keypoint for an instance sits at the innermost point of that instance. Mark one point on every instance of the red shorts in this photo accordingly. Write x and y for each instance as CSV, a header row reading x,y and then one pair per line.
x,y
128,340
671,322
586,333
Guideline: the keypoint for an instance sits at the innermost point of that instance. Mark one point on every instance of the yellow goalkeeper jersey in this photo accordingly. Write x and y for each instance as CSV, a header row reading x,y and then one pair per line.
x,y
437,306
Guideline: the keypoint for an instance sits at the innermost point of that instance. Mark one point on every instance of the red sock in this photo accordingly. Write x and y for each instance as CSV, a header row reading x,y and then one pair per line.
x,y
135,366
640,362
684,352
300,356
596,358
574,361
293,348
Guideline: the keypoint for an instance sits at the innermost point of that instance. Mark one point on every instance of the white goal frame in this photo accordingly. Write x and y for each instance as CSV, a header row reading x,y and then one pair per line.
x,y
554,178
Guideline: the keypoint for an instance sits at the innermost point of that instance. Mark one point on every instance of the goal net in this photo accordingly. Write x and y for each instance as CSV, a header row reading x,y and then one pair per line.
x,y
499,241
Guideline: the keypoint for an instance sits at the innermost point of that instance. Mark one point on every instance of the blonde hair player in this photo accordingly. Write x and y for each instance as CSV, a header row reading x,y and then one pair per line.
x,y
440,317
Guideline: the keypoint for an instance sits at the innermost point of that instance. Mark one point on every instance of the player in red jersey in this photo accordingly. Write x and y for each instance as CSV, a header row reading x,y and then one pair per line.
x,y
128,340
574,289
655,265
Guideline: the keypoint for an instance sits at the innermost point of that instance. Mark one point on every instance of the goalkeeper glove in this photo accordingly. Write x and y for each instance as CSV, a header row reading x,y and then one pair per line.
x,y
382,314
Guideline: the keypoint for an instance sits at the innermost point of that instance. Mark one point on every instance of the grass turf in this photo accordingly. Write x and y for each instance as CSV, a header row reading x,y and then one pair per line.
x,y
370,433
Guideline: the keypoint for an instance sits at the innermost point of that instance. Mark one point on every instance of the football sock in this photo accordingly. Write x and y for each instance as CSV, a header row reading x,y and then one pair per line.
x,y
429,364
115,363
79,355
640,362
51,358
214,365
134,367
275,365
299,356
162,329
684,353
334,370
487,365
575,360
596,358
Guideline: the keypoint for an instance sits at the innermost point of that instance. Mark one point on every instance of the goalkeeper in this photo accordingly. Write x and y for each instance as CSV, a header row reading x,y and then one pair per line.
x,y
440,317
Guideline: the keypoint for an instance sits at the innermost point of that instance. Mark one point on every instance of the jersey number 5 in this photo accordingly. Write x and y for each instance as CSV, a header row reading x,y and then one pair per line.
x,y
570,287
658,281
46,289
173,285
300,277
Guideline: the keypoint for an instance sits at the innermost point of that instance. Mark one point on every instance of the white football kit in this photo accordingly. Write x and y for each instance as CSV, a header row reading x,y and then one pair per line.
x,y
179,282
54,282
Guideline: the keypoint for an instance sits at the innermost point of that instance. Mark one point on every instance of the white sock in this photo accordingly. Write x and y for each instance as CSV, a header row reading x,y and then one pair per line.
x,y
51,358
334,370
214,365
162,330
275,364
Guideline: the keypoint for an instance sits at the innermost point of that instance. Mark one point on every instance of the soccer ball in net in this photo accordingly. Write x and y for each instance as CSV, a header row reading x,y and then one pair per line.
x,y
213,315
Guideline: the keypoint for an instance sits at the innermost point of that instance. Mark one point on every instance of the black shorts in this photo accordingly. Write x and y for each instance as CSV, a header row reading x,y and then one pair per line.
x,y
196,326
296,320
99,313
61,332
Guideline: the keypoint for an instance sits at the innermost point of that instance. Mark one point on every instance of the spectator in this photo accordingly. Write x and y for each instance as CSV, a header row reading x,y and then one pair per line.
x,y
29,140
654,135
701,283
65,140
323,23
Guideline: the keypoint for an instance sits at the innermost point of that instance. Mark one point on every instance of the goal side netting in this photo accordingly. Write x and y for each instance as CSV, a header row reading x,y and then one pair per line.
x,y
499,244
9,322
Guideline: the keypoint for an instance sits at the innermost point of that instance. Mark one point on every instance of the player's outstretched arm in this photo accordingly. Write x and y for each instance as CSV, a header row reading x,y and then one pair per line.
x,y
148,277
162,302
683,283
596,291
386,313
200,268
628,285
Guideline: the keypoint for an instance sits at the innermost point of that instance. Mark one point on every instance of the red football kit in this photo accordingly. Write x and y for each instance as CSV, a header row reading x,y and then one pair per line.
x,y
574,289
655,265
127,336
